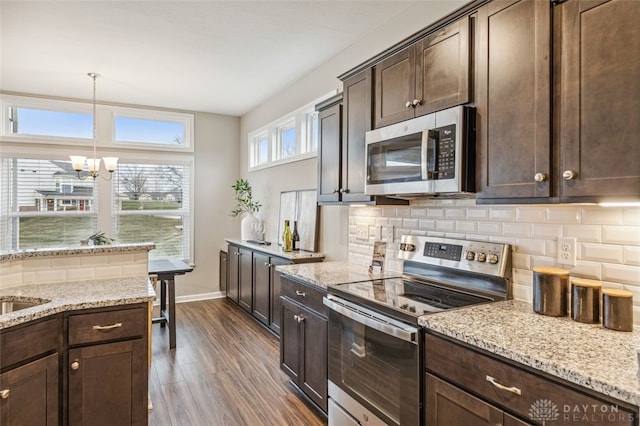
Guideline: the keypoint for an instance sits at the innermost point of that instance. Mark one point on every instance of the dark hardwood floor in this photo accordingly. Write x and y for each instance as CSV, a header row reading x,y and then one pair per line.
x,y
224,371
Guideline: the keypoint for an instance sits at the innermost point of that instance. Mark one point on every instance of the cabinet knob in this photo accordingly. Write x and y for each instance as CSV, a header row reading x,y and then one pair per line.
x,y
416,102
540,177
75,365
4,393
335,191
568,175
299,318
300,293
344,191
408,104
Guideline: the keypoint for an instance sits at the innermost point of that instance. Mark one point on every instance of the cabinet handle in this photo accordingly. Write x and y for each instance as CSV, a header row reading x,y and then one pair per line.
x,y
107,327
568,175
75,365
540,177
512,389
300,293
4,393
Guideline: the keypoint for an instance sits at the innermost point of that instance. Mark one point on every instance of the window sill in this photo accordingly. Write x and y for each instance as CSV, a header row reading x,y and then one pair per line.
x,y
284,161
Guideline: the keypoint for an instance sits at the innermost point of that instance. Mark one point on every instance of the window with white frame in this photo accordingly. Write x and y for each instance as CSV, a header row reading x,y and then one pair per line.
x,y
290,138
151,203
45,203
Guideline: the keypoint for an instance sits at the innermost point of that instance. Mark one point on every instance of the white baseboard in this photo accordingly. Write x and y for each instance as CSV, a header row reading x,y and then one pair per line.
x,y
194,297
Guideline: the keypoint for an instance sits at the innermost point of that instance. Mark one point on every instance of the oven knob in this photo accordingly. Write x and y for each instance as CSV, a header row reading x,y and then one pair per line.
x,y
470,255
412,308
492,258
404,306
482,257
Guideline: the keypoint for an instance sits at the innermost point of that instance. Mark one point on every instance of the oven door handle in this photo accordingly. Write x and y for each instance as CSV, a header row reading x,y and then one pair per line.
x,y
369,318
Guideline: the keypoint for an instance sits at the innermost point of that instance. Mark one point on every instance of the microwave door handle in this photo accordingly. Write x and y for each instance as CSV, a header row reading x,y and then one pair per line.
x,y
430,139
409,334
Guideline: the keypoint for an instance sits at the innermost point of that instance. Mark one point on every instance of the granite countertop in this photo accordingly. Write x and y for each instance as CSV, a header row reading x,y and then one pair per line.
x,y
586,354
74,251
70,296
275,250
329,273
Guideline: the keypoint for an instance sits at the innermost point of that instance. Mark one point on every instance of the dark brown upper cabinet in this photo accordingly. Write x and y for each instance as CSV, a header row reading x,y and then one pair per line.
x,y
428,76
513,99
344,120
329,150
599,100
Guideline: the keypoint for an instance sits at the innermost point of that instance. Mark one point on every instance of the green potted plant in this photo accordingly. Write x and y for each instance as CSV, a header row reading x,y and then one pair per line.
x,y
247,205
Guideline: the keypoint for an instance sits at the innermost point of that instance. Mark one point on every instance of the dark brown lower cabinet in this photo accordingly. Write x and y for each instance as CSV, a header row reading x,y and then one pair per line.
x,y
468,386
224,266
29,394
450,405
303,340
108,384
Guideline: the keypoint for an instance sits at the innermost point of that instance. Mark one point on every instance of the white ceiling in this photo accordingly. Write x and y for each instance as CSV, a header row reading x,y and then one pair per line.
x,y
216,56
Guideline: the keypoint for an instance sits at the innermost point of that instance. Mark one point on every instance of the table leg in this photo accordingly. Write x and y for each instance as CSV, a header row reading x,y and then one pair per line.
x,y
163,300
172,313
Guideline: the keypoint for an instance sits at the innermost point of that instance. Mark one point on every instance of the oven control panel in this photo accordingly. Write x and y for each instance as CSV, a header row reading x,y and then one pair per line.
x,y
475,256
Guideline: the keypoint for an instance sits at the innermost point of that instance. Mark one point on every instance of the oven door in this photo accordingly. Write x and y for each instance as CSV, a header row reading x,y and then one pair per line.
x,y
376,361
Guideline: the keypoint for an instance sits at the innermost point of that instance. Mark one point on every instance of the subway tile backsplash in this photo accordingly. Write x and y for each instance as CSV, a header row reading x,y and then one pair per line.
x,y
608,238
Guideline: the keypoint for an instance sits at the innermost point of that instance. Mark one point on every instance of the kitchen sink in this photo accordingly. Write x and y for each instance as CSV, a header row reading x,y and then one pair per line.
x,y
12,304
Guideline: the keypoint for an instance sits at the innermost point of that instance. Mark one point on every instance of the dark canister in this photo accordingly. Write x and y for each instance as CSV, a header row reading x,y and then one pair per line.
x,y
585,300
617,309
550,288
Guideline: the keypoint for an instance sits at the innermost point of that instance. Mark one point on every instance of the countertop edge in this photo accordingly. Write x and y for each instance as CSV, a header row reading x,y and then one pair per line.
x,y
562,372
295,257
135,290
74,251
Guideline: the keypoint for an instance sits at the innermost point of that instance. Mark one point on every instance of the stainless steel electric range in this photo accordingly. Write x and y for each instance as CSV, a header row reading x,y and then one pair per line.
x,y
375,343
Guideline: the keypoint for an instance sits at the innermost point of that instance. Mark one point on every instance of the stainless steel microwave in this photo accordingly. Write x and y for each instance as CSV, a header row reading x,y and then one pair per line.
x,y
431,155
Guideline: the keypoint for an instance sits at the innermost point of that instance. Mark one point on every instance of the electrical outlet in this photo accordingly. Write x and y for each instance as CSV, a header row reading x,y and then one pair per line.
x,y
362,232
567,251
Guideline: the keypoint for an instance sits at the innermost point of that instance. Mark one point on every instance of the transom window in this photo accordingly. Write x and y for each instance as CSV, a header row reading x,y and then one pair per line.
x,y
291,138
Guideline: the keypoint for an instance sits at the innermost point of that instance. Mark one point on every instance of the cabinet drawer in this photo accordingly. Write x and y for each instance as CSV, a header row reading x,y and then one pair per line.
x,y
306,295
24,342
472,371
110,325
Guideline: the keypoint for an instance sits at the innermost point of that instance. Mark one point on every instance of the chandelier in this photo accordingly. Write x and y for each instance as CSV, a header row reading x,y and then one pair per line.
x,y
93,164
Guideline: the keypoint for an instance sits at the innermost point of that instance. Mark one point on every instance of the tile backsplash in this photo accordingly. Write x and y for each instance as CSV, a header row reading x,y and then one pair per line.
x,y
607,250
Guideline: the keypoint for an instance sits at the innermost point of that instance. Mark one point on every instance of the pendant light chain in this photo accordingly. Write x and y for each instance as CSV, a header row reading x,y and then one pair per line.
x,y
94,76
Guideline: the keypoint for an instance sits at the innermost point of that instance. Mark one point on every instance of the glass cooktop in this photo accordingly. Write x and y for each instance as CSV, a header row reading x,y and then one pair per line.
x,y
408,297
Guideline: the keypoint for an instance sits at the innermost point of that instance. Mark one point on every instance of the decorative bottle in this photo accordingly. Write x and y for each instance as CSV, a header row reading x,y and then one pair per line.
x,y
296,236
287,240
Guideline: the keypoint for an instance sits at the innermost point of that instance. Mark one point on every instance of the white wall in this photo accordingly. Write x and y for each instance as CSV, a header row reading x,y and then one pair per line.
x,y
267,184
216,169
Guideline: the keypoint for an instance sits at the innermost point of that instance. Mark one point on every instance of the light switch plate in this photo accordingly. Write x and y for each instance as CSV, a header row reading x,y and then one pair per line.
x,y
567,251
362,232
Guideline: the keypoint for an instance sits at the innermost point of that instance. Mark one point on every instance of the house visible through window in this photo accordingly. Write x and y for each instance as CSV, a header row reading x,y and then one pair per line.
x,y
45,203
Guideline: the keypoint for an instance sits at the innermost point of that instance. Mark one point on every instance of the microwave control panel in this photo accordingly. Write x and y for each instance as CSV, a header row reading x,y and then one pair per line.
x,y
446,152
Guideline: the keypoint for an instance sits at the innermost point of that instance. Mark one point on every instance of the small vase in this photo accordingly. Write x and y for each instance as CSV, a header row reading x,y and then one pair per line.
x,y
247,226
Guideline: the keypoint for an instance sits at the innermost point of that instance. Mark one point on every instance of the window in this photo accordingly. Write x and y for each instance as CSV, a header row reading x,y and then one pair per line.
x,y
286,140
151,203
291,138
149,131
40,122
43,202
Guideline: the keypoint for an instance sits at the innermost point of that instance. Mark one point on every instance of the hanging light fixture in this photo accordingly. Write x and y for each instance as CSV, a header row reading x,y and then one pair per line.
x,y
93,164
